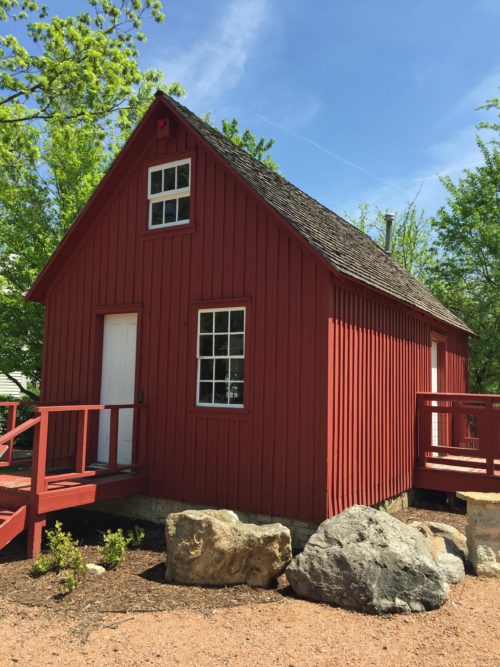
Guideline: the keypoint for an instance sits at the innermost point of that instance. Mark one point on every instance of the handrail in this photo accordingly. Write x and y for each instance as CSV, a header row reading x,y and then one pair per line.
x,y
39,476
444,430
10,435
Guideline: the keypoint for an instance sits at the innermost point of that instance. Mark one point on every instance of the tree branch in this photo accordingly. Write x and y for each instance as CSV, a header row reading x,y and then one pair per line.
x,y
25,390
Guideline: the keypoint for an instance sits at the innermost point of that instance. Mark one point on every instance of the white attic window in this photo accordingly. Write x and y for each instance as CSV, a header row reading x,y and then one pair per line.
x,y
169,190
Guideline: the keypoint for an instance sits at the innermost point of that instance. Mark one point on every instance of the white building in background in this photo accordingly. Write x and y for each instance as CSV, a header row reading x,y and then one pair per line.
x,y
9,388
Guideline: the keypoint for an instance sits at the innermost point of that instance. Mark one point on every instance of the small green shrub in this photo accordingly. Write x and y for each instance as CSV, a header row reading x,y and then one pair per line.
x,y
69,582
64,555
135,537
64,550
114,548
41,565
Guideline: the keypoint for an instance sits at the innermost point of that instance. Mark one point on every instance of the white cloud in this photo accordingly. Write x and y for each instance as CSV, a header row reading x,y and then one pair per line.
x,y
216,63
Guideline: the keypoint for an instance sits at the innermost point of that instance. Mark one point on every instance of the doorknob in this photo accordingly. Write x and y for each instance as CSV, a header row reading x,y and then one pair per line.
x,y
140,396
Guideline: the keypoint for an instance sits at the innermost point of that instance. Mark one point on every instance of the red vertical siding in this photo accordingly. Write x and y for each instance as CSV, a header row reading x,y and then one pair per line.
x,y
270,458
379,359
332,372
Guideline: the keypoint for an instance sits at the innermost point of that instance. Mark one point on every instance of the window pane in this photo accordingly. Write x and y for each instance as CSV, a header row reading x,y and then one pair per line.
x,y
220,392
157,213
155,182
236,393
183,176
222,369
170,210
220,346
206,369
183,208
206,322
236,346
221,320
205,394
237,320
169,179
206,348
237,369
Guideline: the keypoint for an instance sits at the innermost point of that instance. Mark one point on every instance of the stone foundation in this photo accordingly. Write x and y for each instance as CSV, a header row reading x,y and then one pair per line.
x,y
157,509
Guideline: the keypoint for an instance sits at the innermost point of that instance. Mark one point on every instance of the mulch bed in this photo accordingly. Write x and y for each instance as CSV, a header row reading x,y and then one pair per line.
x,y
138,585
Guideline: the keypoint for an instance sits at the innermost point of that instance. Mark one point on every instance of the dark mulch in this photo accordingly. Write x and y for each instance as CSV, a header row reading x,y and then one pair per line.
x,y
456,519
137,586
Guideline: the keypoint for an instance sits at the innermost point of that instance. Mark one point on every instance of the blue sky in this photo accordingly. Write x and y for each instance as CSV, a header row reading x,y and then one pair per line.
x,y
368,100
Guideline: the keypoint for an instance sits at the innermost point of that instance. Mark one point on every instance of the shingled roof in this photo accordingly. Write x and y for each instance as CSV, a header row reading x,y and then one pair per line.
x,y
348,250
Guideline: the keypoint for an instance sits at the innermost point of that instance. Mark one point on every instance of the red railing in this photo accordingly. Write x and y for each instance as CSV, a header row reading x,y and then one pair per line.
x,y
461,430
40,476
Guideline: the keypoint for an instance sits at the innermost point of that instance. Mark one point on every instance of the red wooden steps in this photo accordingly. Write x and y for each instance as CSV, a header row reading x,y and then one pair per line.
x,y
12,522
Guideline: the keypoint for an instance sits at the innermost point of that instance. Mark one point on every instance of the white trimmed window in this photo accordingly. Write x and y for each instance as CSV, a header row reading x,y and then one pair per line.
x,y
221,357
169,188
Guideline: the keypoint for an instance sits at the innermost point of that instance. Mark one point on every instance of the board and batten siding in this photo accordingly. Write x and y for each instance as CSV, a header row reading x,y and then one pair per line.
x,y
332,369
268,458
380,357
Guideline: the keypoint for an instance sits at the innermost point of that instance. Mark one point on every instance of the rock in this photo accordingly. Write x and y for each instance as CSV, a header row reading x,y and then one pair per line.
x,y
92,568
483,532
442,538
367,560
213,547
451,567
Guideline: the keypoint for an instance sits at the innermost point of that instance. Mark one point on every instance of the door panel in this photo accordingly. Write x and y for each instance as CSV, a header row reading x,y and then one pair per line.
x,y
118,382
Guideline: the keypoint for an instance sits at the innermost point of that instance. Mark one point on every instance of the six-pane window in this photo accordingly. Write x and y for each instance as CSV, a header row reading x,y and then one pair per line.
x,y
169,194
221,357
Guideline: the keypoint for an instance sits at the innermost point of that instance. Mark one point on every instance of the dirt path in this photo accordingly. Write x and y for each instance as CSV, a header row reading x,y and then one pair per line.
x,y
465,632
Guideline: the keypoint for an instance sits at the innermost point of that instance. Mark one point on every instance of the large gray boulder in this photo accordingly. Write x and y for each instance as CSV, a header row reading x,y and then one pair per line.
x,y
367,560
213,547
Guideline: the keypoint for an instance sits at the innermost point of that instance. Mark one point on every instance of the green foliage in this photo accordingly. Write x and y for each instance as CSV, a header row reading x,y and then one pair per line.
x,y
69,582
135,537
63,556
467,277
24,412
411,236
41,565
246,140
114,548
64,551
69,96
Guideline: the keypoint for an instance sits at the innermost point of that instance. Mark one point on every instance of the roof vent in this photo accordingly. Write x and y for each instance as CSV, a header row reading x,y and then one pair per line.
x,y
389,219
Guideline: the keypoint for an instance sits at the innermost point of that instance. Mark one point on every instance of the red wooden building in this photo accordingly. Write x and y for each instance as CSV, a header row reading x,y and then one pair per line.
x,y
269,352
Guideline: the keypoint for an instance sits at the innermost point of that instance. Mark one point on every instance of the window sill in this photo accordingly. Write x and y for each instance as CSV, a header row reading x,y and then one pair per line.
x,y
227,413
168,231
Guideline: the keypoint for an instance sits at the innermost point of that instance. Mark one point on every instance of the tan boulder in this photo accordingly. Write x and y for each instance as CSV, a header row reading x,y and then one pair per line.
x,y
442,537
213,547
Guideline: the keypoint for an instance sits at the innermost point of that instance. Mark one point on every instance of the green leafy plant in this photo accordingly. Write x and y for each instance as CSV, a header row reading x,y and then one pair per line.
x,y
135,537
114,548
41,565
63,556
69,583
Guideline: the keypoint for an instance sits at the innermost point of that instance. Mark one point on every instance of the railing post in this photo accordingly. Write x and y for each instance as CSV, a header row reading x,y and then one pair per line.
x,y
113,438
81,443
11,423
39,459
424,418
489,436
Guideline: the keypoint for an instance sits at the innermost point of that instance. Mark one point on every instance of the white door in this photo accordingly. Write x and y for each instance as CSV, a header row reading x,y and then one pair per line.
x,y
434,389
118,382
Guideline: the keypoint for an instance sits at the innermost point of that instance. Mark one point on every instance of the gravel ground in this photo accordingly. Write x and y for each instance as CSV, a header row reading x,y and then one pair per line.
x,y
237,626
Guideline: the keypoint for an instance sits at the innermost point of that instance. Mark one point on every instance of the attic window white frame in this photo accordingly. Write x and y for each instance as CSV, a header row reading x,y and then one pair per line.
x,y
174,194
227,356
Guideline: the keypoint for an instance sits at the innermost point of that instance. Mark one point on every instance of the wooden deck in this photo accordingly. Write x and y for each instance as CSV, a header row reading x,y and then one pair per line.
x,y
29,490
458,442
